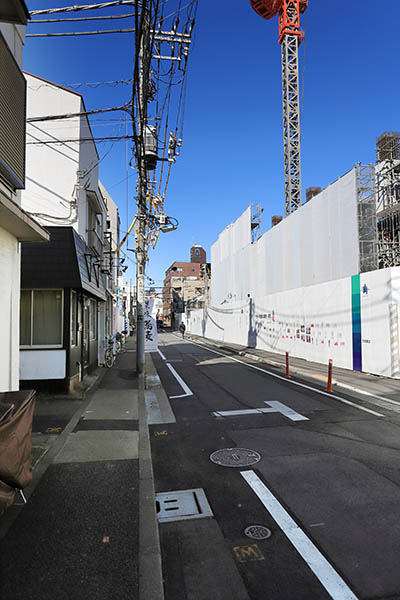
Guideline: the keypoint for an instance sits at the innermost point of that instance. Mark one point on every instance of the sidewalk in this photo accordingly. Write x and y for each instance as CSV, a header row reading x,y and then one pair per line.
x,y
379,391
89,529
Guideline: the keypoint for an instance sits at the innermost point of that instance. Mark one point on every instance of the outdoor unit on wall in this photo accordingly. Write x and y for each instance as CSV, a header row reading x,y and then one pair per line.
x,y
150,147
12,119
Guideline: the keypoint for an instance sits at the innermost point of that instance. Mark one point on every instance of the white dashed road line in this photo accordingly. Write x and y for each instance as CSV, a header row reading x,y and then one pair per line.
x,y
161,354
187,390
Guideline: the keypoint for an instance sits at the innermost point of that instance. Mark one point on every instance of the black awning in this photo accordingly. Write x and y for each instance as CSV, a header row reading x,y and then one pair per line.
x,y
65,262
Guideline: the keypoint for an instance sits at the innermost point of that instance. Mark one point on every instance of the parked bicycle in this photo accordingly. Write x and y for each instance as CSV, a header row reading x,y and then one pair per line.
x,y
109,354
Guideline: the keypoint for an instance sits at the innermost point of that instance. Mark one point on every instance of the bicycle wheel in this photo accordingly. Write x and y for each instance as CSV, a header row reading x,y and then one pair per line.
x,y
109,358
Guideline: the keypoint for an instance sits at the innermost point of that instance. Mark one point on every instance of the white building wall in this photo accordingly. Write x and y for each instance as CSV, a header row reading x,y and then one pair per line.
x,y
61,182
52,170
88,175
59,176
15,38
9,311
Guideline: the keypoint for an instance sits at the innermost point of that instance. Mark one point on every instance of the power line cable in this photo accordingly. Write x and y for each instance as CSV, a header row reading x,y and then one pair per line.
x,y
124,107
65,20
92,139
76,7
74,33
93,84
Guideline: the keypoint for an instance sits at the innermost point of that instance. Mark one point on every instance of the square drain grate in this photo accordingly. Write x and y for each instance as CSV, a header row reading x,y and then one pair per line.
x,y
181,505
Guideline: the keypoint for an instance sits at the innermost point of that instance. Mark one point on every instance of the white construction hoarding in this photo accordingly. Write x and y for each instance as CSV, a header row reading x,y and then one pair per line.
x,y
318,322
298,289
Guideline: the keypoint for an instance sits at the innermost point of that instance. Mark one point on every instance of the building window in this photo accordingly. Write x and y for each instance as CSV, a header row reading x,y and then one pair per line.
x,y
41,318
26,318
95,228
74,318
93,319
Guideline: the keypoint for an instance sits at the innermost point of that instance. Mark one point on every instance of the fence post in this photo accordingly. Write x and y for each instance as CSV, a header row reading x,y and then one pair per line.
x,y
329,386
287,366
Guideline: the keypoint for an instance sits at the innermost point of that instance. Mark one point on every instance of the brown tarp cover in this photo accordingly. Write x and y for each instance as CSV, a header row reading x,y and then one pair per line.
x,y
16,412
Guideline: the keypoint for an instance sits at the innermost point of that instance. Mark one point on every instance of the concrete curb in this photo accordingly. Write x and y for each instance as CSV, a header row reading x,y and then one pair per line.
x,y
150,567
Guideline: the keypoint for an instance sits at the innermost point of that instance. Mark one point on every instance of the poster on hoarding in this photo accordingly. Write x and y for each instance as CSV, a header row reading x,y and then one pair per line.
x,y
150,326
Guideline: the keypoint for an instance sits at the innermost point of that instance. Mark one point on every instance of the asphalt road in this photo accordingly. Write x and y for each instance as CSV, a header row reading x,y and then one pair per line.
x,y
326,485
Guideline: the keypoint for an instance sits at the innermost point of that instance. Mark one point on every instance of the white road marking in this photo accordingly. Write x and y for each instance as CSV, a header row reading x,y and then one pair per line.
x,y
187,390
355,389
285,410
290,381
161,354
322,569
276,407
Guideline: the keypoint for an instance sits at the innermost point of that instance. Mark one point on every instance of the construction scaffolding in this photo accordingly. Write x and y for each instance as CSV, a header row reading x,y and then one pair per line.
x,y
256,212
366,210
388,198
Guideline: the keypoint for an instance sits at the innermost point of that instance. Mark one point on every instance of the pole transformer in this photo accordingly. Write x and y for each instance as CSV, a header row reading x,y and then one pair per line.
x,y
290,37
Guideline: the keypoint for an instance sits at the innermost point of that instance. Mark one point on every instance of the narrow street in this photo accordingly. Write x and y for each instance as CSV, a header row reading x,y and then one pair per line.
x,y
326,484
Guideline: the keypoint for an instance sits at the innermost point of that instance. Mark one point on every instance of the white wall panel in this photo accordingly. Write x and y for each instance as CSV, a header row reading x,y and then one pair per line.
x,y
9,311
317,243
42,364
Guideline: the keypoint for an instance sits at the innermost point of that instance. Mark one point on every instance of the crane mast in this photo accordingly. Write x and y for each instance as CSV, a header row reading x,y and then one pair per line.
x,y
290,37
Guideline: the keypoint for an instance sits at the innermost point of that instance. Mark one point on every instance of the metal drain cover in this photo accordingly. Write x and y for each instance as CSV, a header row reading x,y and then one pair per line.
x,y
235,457
182,505
257,532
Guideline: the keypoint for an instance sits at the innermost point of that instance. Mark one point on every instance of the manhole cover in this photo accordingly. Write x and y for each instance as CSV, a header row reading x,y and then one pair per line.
x,y
235,457
258,532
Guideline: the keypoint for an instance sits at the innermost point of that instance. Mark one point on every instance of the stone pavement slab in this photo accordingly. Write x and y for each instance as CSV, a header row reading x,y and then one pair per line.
x,y
87,446
113,404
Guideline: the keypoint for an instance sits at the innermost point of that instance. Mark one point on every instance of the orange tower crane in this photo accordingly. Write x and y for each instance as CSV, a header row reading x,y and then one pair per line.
x,y
290,37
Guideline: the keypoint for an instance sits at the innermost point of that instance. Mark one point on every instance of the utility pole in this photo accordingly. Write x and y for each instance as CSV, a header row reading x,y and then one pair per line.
x,y
151,40
144,64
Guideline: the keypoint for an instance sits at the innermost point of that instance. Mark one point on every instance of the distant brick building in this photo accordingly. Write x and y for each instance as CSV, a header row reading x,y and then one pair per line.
x,y
198,255
185,283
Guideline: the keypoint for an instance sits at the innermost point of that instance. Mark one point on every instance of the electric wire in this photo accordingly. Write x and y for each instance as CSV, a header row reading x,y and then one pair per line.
x,y
77,33
90,139
67,20
76,7
124,107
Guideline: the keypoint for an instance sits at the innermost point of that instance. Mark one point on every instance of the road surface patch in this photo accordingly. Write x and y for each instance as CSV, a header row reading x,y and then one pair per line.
x,y
322,569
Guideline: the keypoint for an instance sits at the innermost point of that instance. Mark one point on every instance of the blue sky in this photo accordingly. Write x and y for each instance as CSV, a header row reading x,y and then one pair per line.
x,y
232,145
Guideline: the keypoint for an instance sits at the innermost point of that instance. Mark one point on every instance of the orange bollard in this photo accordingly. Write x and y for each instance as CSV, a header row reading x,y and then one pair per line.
x,y
329,386
287,366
